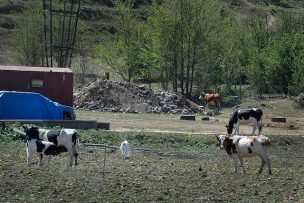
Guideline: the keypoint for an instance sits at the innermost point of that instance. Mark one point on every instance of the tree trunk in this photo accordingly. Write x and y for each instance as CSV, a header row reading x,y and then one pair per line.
x,y
240,90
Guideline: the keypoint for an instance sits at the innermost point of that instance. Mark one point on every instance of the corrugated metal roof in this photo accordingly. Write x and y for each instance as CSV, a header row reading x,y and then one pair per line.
x,y
36,69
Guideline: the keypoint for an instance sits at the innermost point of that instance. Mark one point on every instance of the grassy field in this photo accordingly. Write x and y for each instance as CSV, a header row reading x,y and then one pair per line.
x,y
168,170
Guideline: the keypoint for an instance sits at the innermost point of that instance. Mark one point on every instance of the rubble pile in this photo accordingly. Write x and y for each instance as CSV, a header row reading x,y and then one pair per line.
x,y
111,96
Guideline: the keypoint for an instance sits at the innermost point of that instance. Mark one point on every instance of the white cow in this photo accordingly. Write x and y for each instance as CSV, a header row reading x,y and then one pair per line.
x,y
238,147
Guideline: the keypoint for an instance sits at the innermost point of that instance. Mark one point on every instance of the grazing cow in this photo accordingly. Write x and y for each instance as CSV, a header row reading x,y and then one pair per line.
x,y
62,138
43,148
211,99
125,149
253,115
238,147
301,98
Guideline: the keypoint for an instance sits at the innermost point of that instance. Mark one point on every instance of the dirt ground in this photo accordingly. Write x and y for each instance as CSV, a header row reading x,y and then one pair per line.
x,y
162,177
150,177
168,123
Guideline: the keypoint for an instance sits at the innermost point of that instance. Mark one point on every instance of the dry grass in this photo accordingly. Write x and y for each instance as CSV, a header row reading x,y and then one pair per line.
x,y
172,123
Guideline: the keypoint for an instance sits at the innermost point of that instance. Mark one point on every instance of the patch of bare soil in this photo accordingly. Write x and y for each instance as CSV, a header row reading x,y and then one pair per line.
x,y
151,178
111,96
282,125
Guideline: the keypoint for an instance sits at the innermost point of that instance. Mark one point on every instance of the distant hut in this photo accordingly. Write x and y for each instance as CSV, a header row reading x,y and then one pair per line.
x,y
54,83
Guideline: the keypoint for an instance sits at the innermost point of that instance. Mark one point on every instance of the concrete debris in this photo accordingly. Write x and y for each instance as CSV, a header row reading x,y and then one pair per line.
x,y
111,96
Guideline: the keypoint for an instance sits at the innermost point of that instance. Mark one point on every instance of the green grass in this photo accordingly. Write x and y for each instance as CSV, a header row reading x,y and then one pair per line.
x,y
150,177
149,140
169,172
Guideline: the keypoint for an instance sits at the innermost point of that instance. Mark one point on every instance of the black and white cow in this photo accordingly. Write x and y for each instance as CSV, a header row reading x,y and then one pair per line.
x,y
66,138
253,115
43,148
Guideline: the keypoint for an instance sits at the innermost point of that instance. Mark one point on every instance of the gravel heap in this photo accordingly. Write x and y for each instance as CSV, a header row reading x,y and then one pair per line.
x,y
111,96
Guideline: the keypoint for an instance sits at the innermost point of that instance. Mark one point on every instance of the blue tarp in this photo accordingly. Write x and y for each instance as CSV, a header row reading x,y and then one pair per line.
x,y
29,106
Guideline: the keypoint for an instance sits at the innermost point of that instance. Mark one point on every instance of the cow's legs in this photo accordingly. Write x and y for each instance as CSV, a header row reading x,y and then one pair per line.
x,y
262,164
237,129
75,154
218,105
48,158
260,126
254,127
242,164
267,160
29,154
71,154
40,159
269,166
235,165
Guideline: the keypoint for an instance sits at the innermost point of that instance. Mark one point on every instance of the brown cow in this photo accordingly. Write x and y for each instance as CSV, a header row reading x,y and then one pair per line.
x,y
211,99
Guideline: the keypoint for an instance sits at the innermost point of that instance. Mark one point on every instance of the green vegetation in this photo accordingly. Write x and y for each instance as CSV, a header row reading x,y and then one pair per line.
x,y
186,46
30,37
190,44
150,140
148,176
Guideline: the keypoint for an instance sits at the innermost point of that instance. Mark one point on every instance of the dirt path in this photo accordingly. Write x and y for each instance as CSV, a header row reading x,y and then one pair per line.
x,y
122,122
270,18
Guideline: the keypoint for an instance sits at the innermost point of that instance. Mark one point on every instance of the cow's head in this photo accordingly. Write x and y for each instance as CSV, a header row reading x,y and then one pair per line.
x,y
229,128
31,132
202,95
264,140
221,139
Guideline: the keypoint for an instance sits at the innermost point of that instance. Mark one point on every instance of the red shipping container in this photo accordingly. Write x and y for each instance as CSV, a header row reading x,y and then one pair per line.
x,y
54,83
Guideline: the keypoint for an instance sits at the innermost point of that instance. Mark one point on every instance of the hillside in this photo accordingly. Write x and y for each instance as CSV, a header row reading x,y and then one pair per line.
x,y
96,16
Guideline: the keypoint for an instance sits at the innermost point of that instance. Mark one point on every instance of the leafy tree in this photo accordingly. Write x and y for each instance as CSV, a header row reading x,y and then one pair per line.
x,y
297,83
30,37
283,54
122,54
260,36
186,33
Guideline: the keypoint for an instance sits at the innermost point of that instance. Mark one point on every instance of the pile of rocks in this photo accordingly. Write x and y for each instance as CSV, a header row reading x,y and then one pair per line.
x,y
167,102
106,95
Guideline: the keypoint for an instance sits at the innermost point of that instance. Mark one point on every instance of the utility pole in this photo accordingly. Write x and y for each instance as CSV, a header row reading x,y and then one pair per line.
x,y
60,40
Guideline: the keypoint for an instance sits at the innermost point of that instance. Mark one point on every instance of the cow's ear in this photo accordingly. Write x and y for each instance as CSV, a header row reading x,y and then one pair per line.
x,y
226,126
217,137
